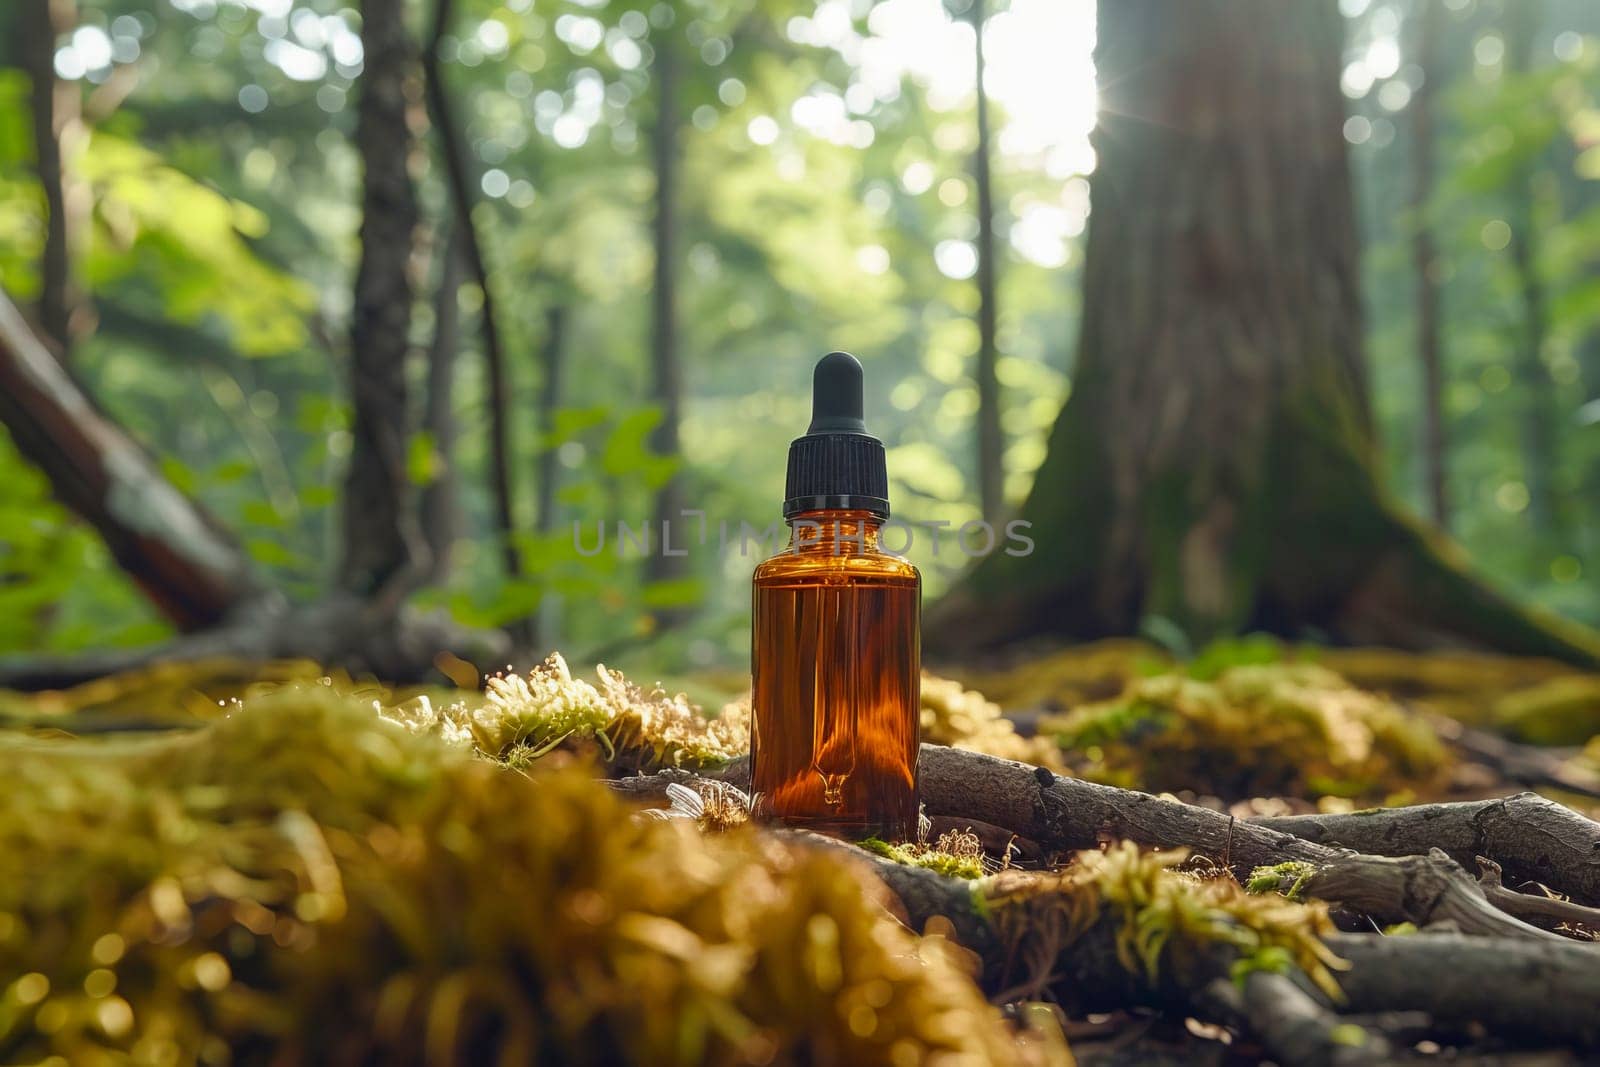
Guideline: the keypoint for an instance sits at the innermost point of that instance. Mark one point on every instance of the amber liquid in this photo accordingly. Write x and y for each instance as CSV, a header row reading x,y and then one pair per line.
x,y
835,653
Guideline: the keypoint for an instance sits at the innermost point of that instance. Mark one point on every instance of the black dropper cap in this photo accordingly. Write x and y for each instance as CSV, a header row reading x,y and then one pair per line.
x,y
837,465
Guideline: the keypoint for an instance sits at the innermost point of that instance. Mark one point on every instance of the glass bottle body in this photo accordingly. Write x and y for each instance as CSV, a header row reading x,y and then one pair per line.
x,y
836,664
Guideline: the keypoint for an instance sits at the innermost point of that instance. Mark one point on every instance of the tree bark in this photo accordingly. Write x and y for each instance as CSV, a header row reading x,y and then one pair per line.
x,y
193,571
1215,466
1424,255
1531,838
379,522
441,498
54,105
455,155
666,370
991,438
1532,990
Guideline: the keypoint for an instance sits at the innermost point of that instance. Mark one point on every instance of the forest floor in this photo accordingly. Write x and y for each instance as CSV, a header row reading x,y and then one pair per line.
x,y
1260,853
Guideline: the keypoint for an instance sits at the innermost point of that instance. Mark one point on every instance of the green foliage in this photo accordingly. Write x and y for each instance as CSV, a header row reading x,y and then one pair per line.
x,y
60,590
1512,137
215,232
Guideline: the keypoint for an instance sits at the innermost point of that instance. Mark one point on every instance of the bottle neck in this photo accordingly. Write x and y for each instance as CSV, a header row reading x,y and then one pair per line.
x,y
834,532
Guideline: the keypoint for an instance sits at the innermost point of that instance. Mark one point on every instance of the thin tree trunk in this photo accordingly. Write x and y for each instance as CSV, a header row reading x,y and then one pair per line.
x,y
441,499
379,531
666,371
454,154
1424,255
1215,465
178,554
1540,446
552,359
54,105
991,440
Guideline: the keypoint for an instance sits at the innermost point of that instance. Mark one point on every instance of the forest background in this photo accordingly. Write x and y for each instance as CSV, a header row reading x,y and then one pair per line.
x,y
662,241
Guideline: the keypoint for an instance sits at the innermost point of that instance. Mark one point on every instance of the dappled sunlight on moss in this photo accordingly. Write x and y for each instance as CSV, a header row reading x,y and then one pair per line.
x,y
956,854
1290,728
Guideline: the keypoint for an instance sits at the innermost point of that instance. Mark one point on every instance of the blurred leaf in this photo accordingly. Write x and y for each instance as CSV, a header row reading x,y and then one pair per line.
x,y
423,462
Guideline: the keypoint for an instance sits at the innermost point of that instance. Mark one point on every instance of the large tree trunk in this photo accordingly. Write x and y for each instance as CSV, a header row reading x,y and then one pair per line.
x,y
191,569
380,532
666,368
991,439
1214,466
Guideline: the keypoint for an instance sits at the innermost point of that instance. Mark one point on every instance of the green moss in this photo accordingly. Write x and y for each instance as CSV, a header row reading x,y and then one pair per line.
x,y
1271,879
306,880
1285,728
522,717
1166,919
1562,711
954,855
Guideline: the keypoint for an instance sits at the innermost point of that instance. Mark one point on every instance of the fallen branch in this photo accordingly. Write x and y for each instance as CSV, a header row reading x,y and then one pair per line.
x,y
1534,908
1062,815
1088,974
1519,982
1541,992
1529,990
1531,838
193,571
1290,1022
1066,814
1430,889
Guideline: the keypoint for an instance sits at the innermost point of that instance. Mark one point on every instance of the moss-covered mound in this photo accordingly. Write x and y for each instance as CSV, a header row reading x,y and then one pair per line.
x,y
965,718
1295,729
305,881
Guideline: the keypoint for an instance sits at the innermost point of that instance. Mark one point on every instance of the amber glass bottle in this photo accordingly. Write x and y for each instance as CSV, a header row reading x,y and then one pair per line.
x,y
835,649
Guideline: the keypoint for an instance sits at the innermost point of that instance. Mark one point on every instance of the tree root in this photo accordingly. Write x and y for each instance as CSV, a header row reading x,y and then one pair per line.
x,y
360,636
1066,814
1493,970
1392,884
1531,838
